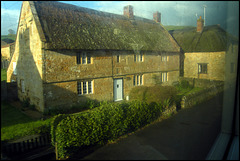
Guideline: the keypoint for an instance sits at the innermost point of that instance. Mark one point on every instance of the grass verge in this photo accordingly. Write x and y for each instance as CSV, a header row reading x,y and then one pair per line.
x,y
15,124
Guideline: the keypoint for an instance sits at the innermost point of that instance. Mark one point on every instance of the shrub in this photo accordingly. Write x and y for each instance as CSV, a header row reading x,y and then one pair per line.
x,y
155,93
107,122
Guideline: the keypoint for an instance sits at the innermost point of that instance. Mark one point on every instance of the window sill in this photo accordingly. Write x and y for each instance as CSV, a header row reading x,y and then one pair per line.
x,y
219,147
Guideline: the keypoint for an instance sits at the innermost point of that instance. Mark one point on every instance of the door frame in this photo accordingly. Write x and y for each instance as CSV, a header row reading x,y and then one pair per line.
x,y
114,89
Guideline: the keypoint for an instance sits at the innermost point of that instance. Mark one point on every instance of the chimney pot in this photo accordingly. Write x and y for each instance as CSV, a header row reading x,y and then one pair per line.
x,y
157,17
128,11
200,23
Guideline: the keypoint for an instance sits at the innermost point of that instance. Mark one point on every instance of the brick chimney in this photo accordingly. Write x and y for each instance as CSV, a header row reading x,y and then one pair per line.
x,y
200,23
157,17
128,11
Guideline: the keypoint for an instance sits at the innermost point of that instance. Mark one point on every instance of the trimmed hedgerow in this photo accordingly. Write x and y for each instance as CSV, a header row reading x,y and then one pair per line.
x,y
155,93
104,123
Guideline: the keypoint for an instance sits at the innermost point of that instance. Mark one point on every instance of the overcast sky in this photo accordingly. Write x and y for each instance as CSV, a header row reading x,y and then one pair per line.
x,y
177,13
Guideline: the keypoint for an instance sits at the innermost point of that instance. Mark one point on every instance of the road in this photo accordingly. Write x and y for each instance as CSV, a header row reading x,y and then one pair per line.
x,y
187,135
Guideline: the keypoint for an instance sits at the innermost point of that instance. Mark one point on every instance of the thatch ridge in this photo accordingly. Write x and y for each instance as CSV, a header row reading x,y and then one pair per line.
x,y
71,27
212,38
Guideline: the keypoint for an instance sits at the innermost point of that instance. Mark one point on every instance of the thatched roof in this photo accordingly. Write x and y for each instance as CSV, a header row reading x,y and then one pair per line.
x,y
67,26
212,38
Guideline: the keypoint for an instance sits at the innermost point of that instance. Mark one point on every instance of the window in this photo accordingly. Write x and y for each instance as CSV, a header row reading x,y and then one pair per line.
x,y
137,80
84,58
164,77
85,87
22,85
78,58
165,58
138,57
118,58
202,68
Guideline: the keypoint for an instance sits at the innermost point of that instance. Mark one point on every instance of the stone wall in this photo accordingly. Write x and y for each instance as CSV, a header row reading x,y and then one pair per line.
x,y
62,73
28,59
215,65
202,83
201,96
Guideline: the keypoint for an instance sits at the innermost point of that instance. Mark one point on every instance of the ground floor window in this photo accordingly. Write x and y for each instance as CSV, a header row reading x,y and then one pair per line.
x,y
202,68
164,77
137,80
84,87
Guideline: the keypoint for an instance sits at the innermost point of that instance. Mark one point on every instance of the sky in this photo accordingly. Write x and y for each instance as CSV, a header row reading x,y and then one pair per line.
x,y
176,13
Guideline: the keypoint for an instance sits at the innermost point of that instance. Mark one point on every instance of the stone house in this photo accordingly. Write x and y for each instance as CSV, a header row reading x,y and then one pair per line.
x,y
209,52
7,51
66,54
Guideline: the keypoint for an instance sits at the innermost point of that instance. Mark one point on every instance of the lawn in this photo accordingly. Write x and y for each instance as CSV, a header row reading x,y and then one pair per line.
x,y
15,124
3,74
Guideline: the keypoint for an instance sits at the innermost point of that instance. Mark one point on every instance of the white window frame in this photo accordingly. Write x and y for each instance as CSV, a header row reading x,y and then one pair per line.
x,y
138,80
165,58
138,57
83,58
164,76
80,89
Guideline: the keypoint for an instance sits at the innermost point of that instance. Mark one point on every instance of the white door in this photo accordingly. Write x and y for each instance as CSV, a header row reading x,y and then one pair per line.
x,y
118,89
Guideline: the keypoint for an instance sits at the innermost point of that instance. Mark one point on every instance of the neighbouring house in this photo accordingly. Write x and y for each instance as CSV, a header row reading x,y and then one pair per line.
x,y
65,54
7,51
209,52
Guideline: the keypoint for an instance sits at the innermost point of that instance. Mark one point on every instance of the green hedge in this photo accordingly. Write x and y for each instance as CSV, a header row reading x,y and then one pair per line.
x,y
155,93
107,122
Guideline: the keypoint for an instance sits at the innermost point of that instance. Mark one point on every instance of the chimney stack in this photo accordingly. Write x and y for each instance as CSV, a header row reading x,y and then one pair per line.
x,y
128,11
200,22
157,17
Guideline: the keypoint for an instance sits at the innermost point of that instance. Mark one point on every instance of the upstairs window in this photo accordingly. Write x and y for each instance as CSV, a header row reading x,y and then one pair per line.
x,y
165,58
202,68
138,57
84,58
118,58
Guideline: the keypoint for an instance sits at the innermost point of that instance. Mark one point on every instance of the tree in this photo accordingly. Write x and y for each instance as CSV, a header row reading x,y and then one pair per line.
x,y
11,32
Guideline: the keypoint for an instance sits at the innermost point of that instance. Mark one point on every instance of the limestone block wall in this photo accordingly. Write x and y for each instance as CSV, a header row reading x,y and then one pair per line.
x,y
64,94
215,65
28,58
62,65
151,63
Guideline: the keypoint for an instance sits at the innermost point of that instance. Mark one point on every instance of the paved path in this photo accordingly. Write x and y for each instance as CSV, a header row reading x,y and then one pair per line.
x,y
187,135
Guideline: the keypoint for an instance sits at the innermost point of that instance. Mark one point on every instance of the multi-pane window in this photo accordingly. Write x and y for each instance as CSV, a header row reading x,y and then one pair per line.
x,y
164,77
85,87
137,80
165,58
84,58
138,57
202,68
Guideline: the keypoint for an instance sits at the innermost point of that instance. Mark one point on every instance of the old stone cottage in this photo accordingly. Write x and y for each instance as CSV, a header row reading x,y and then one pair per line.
x,y
66,54
209,52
